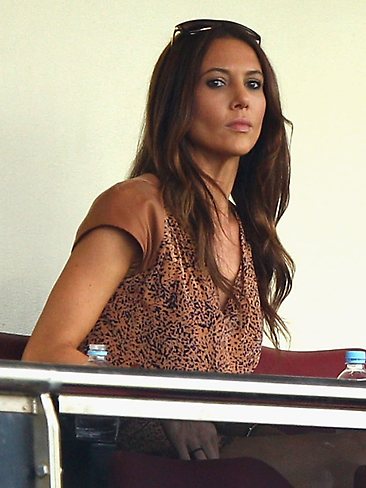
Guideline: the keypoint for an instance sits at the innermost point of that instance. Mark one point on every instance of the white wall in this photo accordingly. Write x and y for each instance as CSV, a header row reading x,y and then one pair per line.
x,y
73,81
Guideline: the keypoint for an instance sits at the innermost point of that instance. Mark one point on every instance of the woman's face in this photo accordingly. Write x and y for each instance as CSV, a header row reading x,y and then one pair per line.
x,y
229,102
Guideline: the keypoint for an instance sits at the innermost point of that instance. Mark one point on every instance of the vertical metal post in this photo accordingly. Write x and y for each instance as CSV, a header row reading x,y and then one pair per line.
x,y
47,451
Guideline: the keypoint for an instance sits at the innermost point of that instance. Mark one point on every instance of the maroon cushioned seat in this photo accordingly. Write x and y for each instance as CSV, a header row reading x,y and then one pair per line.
x,y
319,364
131,470
12,345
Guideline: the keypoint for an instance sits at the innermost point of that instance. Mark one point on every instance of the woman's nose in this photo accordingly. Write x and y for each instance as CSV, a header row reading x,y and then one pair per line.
x,y
240,98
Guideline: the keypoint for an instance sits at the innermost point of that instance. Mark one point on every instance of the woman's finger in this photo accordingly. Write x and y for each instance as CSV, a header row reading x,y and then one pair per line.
x,y
183,451
212,449
198,453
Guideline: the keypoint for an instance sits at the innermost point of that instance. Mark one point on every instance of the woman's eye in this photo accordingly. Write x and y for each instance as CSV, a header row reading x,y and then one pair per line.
x,y
254,84
216,83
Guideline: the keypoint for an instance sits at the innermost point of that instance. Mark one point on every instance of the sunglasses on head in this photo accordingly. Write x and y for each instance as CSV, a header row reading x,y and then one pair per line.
x,y
193,27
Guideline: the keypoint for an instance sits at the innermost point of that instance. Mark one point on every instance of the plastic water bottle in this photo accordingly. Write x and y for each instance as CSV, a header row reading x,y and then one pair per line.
x,y
97,354
101,429
355,366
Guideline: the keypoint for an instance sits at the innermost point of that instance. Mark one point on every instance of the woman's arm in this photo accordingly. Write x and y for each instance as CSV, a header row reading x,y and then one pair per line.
x,y
94,270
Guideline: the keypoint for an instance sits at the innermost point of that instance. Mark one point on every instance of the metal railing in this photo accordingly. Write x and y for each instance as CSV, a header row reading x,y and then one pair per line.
x,y
44,392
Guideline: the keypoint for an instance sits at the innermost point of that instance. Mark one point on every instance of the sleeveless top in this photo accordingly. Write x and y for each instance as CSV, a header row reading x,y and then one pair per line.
x,y
166,313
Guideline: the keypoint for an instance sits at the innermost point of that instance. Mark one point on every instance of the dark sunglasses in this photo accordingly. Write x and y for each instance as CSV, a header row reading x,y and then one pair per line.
x,y
192,27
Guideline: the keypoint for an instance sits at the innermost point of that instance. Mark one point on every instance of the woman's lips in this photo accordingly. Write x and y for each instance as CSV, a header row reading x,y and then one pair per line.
x,y
240,125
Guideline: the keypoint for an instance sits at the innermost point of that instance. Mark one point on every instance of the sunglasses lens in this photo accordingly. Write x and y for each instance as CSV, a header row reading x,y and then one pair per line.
x,y
199,26
196,26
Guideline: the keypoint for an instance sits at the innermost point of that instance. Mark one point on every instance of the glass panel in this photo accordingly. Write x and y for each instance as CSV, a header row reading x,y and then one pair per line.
x,y
16,450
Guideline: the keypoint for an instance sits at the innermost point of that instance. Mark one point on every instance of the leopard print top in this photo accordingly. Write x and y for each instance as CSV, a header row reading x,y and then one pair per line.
x,y
166,313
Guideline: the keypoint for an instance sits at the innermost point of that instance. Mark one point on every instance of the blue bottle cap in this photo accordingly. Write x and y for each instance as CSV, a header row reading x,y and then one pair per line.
x,y
97,353
355,357
99,350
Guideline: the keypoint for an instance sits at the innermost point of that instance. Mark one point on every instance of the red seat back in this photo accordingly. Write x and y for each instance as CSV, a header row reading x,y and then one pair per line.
x,y
12,345
320,364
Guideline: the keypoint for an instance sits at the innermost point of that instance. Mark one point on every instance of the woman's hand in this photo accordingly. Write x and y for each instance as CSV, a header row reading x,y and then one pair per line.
x,y
192,440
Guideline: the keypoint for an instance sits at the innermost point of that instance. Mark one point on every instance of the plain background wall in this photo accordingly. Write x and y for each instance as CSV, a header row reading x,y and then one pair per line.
x,y
73,80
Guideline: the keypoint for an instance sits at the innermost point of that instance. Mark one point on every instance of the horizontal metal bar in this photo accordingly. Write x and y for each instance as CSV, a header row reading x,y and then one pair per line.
x,y
59,378
215,412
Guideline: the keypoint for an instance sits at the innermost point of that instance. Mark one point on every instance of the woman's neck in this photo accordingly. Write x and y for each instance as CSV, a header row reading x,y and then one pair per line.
x,y
221,192
221,169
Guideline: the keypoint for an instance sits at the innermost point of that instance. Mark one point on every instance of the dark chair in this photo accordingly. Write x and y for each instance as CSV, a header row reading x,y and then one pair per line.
x,y
318,364
12,345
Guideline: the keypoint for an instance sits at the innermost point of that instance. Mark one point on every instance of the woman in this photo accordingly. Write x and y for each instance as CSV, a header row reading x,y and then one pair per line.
x,y
227,139
167,269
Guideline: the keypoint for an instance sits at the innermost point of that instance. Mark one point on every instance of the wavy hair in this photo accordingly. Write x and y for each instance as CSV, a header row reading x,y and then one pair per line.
x,y
261,187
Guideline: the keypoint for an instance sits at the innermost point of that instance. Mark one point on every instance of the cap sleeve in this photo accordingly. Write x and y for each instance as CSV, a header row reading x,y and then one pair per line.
x,y
134,206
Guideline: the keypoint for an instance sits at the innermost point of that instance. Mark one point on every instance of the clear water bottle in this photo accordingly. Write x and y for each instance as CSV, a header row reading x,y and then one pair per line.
x,y
97,354
355,366
101,429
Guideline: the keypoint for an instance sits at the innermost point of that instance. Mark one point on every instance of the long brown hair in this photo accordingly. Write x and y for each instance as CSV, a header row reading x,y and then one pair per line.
x,y
261,187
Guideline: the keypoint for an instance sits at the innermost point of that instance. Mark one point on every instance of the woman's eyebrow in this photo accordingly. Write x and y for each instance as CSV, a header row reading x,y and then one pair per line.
x,y
251,72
